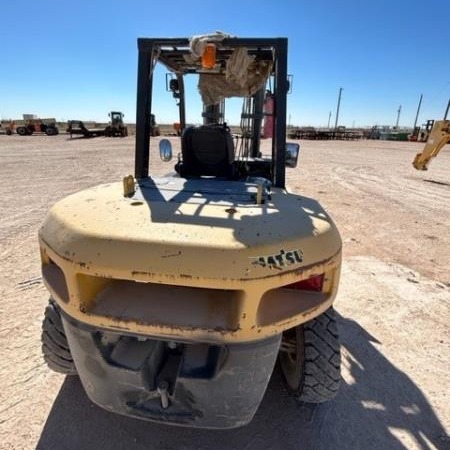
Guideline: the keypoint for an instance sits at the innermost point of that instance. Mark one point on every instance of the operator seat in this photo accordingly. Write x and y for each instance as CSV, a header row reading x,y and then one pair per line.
x,y
207,150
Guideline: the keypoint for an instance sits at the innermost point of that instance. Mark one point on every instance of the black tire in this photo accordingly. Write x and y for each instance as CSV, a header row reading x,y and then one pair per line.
x,y
8,131
22,131
51,131
310,359
55,348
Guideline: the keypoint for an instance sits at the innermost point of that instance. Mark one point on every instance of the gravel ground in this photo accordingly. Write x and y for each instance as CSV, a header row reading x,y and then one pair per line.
x,y
393,304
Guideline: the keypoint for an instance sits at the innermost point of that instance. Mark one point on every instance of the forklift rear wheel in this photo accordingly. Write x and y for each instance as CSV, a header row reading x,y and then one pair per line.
x,y
55,348
310,359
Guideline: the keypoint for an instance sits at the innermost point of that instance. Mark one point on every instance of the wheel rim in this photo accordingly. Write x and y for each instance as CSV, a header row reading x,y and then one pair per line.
x,y
291,357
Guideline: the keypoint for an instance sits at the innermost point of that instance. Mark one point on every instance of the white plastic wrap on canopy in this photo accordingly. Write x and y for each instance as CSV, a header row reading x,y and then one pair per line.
x,y
197,44
243,77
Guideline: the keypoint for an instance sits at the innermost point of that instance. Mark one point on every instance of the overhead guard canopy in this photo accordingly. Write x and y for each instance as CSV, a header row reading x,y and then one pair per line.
x,y
242,67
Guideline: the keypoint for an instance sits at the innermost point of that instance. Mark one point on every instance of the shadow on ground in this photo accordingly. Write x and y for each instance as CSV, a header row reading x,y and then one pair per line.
x,y
378,407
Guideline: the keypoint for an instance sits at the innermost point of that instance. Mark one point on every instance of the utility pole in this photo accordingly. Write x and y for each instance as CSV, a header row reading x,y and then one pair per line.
x,y
337,109
329,118
417,114
446,111
399,110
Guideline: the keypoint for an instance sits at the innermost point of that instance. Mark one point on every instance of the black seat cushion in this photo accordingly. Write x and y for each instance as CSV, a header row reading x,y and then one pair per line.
x,y
207,150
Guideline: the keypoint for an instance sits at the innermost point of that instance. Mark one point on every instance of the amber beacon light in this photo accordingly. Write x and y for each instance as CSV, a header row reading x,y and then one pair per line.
x,y
209,56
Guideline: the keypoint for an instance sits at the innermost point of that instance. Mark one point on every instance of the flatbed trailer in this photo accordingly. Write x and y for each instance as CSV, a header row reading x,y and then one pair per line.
x,y
78,127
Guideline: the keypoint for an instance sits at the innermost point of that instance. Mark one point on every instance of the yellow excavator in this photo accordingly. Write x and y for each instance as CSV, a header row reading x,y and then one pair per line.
x,y
439,136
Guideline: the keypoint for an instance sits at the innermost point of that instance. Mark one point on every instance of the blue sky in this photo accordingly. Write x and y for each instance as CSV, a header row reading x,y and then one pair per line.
x,y
79,61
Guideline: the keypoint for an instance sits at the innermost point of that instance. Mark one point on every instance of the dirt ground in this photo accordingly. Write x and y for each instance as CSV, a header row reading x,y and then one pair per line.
x,y
393,304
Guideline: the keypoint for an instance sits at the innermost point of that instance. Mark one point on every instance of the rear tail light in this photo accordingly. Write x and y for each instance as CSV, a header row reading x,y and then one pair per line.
x,y
314,283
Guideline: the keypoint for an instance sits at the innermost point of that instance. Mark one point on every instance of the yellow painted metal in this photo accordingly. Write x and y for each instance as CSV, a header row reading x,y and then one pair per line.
x,y
439,136
189,270
128,186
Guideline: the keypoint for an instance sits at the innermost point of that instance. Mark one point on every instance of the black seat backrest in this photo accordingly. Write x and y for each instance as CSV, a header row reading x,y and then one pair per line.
x,y
207,150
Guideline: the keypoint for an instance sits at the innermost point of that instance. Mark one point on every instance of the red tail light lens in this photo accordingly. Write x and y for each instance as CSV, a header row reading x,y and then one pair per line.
x,y
314,283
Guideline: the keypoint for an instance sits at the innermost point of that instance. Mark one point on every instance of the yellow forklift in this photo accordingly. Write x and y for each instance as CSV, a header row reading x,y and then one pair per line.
x,y
173,297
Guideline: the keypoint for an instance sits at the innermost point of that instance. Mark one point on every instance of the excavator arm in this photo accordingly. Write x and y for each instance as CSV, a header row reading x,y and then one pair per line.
x,y
439,136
